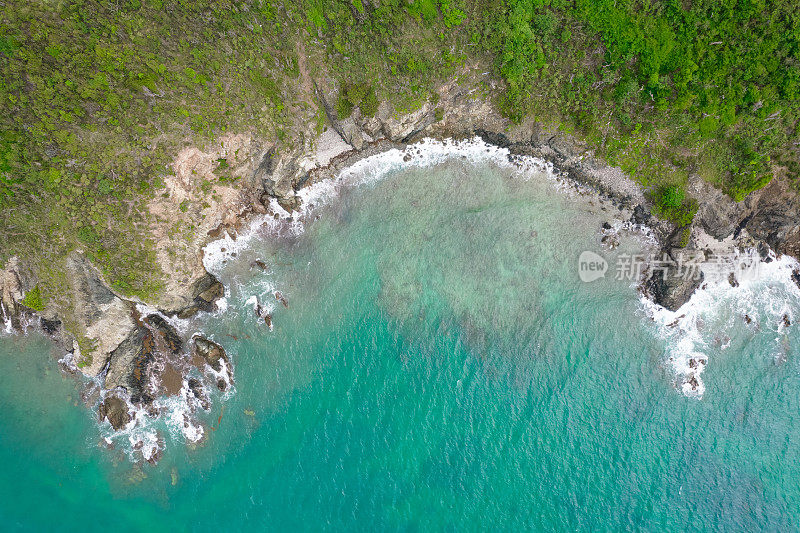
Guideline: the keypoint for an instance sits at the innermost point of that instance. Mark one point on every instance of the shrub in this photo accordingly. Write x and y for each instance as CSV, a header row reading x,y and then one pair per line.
x,y
671,203
361,95
34,300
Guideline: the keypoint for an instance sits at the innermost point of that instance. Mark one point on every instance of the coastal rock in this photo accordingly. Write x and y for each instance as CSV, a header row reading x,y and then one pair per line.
x,y
763,252
171,341
50,327
196,389
678,237
115,410
210,352
717,213
564,145
669,289
641,215
796,277
289,202
209,190
128,363
205,292
405,128
372,126
266,168
12,292
116,341
775,217
104,320
495,138
352,134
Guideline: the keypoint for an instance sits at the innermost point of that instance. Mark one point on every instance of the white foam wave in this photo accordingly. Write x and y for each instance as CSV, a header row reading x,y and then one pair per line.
x,y
764,295
426,153
140,432
180,324
142,435
225,374
179,414
67,361
8,328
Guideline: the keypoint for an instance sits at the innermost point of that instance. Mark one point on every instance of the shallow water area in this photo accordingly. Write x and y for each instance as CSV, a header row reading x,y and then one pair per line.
x,y
439,364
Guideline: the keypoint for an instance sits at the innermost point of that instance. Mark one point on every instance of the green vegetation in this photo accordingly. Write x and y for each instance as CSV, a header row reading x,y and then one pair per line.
x,y
671,203
34,300
87,347
96,98
712,84
359,95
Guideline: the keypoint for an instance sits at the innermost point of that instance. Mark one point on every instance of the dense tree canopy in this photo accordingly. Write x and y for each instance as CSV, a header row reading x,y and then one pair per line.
x,y
97,96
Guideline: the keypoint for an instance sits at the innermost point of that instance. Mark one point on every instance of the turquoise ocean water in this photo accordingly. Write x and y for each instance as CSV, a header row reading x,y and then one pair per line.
x,y
439,366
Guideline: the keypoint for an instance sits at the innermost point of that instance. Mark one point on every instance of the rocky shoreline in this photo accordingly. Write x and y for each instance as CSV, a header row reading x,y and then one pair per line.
x,y
135,354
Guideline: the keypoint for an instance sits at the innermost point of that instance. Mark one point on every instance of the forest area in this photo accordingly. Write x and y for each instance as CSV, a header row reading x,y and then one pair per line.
x,y
97,97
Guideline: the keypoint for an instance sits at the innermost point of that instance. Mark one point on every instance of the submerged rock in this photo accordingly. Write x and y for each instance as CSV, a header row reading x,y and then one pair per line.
x,y
281,298
171,380
115,410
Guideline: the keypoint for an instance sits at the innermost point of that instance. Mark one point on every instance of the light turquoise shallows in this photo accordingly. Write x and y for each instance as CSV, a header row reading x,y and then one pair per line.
x,y
439,367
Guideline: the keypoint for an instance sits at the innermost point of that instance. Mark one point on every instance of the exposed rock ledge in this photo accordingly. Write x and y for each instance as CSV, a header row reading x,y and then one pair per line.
x,y
111,340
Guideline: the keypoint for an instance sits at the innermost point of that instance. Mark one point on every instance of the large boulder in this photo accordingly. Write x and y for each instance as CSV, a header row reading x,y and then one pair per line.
x,y
129,363
717,213
209,352
775,217
172,341
115,410
205,292
670,289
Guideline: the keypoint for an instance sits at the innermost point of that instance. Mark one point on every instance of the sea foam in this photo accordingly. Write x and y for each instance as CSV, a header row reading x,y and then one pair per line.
x,y
682,330
718,310
426,153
